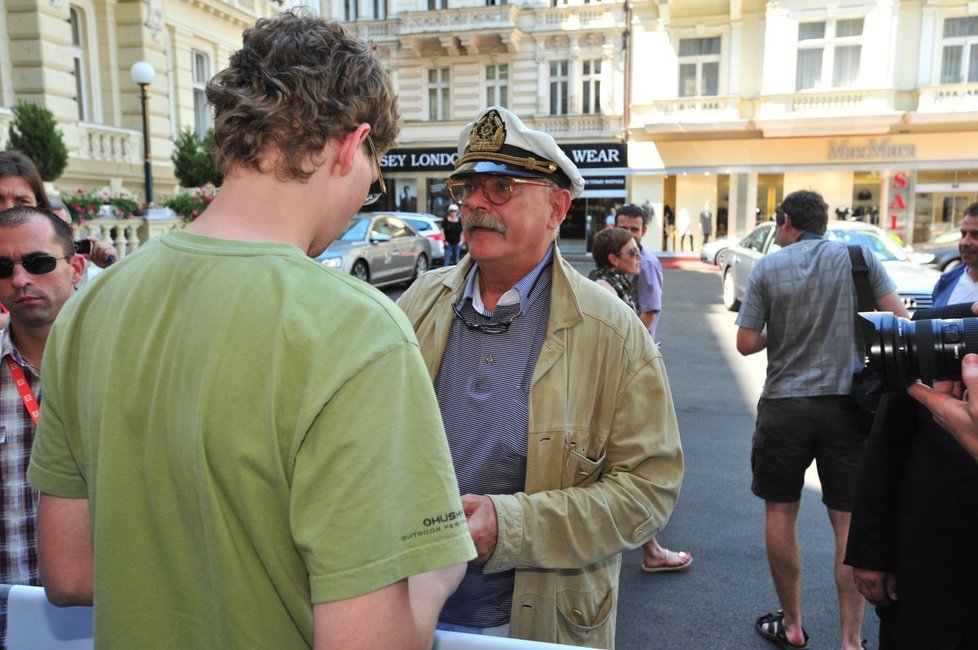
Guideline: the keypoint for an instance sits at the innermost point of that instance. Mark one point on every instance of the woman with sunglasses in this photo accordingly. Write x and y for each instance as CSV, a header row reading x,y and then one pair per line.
x,y
617,256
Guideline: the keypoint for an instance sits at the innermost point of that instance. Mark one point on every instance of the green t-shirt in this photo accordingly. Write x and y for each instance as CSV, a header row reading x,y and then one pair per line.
x,y
253,432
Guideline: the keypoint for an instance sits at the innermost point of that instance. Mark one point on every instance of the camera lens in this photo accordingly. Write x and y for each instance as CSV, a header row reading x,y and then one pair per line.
x,y
902,351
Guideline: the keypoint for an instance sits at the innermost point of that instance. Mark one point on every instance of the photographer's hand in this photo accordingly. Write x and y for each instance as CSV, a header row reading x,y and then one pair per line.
x,y
953,409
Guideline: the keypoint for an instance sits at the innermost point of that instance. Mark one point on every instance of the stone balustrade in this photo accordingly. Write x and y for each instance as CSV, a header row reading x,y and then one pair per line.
x,y
127,235
110,144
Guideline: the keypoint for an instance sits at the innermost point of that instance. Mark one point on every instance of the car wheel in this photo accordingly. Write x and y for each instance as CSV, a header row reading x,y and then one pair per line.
x,y
730,291
420,266
360,271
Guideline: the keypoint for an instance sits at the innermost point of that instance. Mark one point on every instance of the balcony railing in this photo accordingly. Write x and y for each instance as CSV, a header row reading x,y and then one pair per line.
x,y
109,144
688,109
569,126
454,21
831,102
948,98
6,119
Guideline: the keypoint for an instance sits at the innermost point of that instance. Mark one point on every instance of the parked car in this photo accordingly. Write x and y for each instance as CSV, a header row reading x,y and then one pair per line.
x,y
941,251
914,282
713,252
430,226
380,248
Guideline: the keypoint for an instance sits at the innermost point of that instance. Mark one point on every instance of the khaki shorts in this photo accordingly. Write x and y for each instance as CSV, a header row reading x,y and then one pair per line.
x,y
793,431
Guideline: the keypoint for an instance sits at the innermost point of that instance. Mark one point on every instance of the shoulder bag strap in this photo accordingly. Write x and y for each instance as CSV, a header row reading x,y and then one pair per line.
x,y
864,293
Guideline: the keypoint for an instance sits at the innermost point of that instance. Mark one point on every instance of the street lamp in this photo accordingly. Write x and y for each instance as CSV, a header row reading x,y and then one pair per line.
x,y
143,74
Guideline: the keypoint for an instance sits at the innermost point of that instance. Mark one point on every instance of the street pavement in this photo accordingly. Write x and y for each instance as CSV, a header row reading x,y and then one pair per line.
x,y
715,602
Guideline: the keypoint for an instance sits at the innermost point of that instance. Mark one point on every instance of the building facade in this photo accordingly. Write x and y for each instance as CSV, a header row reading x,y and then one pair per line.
x,y
74,58
684,106
689,106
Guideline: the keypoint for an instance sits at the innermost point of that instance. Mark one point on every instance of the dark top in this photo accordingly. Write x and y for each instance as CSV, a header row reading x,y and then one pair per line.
x,y
452,230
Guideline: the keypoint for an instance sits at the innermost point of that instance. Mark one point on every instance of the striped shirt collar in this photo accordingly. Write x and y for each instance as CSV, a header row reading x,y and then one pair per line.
x,y
521,294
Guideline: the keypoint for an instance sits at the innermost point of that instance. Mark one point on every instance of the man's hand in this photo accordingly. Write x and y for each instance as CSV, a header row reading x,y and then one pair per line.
x,y
877,587
102,254
953,407
481,517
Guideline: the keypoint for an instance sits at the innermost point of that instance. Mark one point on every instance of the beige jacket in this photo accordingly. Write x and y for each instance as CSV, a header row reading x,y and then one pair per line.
x,y
604,462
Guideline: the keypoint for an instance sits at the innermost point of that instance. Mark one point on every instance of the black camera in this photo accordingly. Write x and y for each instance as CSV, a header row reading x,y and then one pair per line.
x,y
83,246
902,351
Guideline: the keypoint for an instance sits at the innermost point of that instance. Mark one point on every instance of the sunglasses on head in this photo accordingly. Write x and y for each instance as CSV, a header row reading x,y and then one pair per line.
x,y
36,264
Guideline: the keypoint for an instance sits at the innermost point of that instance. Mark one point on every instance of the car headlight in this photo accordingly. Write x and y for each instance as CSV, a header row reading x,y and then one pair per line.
x,y
922,258
333,262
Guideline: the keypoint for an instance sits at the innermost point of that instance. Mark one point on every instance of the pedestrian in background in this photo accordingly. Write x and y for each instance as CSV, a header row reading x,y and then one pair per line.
x,y
196,471
38,270
800,306
960,284
563,461
452,227
706,223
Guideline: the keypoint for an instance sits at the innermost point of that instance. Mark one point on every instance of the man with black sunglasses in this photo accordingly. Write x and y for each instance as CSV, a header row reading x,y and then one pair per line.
x,y
554,397
38,269
209,484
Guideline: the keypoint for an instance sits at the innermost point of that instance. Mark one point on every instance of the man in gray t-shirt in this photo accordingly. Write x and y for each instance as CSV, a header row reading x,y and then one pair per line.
x,y
800,306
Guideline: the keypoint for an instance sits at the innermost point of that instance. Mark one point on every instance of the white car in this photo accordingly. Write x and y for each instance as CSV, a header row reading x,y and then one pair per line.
x,y
430,226
914,282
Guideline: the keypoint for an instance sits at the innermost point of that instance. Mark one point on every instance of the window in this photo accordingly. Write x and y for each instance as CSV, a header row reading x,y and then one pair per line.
x,y
959,60
76,19
349,10
497,84
699,66
494,3
591,80
380,9
437,4
438,94
201,73
558,87
828,54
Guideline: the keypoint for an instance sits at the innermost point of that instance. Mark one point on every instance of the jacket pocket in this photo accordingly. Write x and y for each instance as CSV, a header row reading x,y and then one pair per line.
x,y
581,465
584,618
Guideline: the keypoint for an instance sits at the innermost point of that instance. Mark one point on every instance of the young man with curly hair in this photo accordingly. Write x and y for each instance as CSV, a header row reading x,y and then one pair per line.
x,y
210,483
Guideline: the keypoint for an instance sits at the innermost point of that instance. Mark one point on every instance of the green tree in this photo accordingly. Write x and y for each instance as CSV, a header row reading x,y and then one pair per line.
x,y
35,133
193,159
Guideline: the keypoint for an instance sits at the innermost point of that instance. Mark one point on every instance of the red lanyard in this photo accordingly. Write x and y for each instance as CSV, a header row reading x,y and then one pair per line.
x,y
23,388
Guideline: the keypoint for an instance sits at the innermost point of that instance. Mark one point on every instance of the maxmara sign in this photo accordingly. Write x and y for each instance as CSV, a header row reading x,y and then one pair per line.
x,y
875,149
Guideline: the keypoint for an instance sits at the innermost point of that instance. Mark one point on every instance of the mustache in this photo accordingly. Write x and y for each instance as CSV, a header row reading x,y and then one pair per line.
x,y
480,219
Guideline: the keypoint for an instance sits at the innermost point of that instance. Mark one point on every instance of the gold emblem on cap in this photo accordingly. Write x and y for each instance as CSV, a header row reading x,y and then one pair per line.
x,y
488,134
487,138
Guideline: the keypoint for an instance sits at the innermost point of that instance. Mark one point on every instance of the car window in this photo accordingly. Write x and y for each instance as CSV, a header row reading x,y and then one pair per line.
x,y
419,224
356,230
755,240
879,244
398,228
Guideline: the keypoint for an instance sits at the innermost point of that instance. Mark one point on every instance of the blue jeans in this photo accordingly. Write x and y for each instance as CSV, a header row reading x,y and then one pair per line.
x,y
453,254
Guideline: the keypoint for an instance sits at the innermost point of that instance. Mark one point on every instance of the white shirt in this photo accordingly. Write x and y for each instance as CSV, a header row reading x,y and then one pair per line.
x,y
966,290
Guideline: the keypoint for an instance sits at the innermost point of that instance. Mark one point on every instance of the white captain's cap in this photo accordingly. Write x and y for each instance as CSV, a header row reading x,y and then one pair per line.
x,y
498,142
453,208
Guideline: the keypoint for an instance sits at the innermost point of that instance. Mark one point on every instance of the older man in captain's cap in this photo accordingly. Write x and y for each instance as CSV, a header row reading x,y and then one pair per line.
x,y
554,397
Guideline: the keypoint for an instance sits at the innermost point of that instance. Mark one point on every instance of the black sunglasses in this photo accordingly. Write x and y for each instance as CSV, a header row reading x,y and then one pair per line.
x,y
485,328
37,264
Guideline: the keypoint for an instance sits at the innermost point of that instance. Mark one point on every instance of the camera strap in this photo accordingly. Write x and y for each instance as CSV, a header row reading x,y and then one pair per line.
x,y
864,293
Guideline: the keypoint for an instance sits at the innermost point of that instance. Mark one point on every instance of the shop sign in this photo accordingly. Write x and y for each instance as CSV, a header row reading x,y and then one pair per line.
x,y
898,207
420,160
875,149
604,183
601,154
